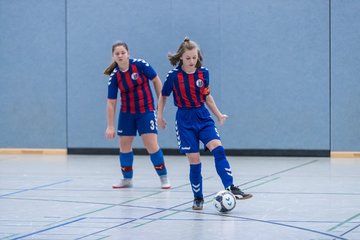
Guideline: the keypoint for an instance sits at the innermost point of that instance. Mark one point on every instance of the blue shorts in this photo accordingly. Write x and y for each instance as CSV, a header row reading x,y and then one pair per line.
x,y
142,123
192,126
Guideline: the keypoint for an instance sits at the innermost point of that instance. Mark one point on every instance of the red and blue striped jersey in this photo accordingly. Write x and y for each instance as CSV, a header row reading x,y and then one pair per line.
x,y
189,90
135,91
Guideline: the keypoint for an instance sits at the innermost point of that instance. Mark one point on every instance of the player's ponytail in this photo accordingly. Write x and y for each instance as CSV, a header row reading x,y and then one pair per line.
x,y
110,68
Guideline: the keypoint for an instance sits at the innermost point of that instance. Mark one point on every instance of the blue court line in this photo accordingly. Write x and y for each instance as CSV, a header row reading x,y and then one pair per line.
x,y
61,201
91,234
47,229
122,203
136,219
34,188
279,224
213,214
210,220
231,220
350,230
247,219
110,206
67,190
102,237
310,193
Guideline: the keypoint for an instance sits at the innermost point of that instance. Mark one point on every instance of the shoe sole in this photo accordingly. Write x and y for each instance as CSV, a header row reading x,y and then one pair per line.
x,y
117,187
244,198
166,187
197,208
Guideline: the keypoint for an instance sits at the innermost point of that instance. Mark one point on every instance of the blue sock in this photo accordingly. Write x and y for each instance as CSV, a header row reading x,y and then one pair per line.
x,y
126,163
222,166
196,180
158,161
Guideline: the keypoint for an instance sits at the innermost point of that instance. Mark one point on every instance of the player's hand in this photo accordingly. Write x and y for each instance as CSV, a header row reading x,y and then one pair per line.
x,y
161,122
222,119
110,133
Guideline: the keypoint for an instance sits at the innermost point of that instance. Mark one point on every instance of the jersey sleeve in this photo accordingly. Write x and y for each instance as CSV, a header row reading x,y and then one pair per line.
x,y
112,86
148,71
206,90
167,86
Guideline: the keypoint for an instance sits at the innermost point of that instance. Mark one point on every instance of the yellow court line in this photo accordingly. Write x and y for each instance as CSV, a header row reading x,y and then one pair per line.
x,y
41,151
345,154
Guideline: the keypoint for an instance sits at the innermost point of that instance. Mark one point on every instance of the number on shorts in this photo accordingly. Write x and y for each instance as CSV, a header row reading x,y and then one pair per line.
x,y
152,125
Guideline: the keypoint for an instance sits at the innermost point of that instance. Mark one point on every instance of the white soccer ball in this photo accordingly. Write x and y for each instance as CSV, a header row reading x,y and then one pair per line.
x,y
224,201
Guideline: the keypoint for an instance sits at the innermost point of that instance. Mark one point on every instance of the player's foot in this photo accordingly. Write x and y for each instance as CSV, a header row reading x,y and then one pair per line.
x,y
198,204
165,184
124,183
238,193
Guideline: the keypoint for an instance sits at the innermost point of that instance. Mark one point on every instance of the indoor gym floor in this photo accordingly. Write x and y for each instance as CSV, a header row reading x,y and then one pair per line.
x,y
70,197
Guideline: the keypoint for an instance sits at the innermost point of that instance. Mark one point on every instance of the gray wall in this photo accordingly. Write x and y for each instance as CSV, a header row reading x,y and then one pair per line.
x,y
285,71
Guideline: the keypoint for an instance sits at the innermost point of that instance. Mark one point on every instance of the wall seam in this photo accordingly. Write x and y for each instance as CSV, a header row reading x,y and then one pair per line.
x,y
330,87
66,80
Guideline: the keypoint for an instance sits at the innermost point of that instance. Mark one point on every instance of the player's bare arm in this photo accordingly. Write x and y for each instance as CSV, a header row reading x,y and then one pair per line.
x,y
111,108
210,103
157,85
161,106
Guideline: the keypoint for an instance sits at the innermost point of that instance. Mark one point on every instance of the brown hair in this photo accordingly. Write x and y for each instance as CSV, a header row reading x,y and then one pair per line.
x,y
187,44
113,65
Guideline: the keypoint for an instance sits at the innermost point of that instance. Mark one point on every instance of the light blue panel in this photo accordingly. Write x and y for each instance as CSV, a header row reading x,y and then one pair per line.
x,y
268,62
275,74
93,26
32,74
345,72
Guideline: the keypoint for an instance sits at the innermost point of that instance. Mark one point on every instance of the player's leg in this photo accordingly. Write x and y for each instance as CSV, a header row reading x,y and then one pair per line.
x,y
157,158
188,141
126,132
222,165
146,124
196,180
126,158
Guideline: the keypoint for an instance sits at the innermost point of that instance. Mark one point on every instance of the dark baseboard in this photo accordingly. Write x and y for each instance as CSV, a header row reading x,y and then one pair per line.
x,y
229,152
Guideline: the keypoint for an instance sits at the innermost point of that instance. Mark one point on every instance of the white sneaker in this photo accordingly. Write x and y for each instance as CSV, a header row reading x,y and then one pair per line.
x,y
165,184
124,183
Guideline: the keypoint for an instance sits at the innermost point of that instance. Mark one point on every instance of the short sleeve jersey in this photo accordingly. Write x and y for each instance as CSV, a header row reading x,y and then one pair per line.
x,y
135,91
189,90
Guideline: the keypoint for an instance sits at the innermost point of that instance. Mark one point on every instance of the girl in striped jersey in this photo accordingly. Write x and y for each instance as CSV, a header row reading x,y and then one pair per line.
x,y
189,84
132,77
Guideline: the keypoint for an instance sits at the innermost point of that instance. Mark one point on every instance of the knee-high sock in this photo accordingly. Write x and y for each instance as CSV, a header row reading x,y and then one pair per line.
x,y
157,160
222,166
196,180
126,163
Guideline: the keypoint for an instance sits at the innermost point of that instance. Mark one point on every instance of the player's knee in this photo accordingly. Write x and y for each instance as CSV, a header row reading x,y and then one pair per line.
x,y
219,153
193,159
213,144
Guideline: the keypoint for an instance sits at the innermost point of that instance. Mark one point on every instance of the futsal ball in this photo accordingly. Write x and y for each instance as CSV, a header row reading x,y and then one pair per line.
x,y
224,201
